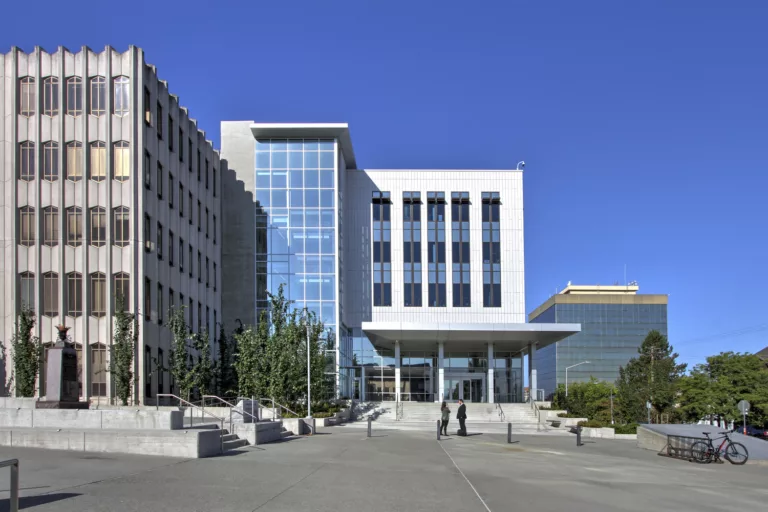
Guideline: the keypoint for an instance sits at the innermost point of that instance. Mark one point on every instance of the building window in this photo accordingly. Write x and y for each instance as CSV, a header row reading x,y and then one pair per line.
x,y
491,250
121,96
159,304
208,322
199,167
27,96
215,272
159,181
214,230
147,232
98,294
147,299
191,208
207,175
171,299
191,314
98,96
160,372
27,226
74,226
460,249
436,249
74,161
27,290
189,154
98,161
199,267
207,273
74,294
199,317
170,247
51,96
121,227
170,132
207,223
51,161
51,226
122,161
215,175
199,216
27,161
159,241
74,96
181,254
412,249
159,121
191,252
181,199
382,262
147,108
123,289
51,294
147,171
98,370
98,226
181,144
147,371
170,190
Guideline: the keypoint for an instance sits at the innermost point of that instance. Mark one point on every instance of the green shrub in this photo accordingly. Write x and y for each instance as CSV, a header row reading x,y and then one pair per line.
x,y
324,414
568,415
591,424
630,428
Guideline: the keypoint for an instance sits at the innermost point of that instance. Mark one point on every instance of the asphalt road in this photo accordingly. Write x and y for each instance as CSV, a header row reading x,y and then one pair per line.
x,y
410,471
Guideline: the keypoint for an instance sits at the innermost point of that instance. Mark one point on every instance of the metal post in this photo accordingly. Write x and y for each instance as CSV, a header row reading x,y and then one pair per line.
x,y
509,432
309,375
438,430
612,406
256,414
369,426
578,435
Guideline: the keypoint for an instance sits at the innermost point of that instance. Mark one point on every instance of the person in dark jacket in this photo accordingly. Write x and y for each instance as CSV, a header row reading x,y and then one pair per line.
x,y
462,417
445,415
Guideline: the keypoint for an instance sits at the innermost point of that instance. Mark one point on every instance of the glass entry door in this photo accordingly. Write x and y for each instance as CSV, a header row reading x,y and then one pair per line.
x,y
467,388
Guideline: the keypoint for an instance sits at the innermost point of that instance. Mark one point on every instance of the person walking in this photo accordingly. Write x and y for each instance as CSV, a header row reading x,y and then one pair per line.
x,y
461,415
445,415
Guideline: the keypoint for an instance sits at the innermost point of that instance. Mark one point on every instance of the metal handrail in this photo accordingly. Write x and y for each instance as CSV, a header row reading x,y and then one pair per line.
x,y
14,499
231,406
502,416
279,405
190,404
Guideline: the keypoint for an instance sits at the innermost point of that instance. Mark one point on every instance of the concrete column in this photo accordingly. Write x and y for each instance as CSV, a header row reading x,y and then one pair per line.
x,y
362,384
491,388
397,371
532,377
440,371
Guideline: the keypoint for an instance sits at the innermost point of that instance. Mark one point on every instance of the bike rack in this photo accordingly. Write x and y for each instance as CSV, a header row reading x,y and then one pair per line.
x,y
679,447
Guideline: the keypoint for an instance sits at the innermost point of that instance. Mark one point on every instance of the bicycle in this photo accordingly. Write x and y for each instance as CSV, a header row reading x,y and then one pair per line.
x,y
704,451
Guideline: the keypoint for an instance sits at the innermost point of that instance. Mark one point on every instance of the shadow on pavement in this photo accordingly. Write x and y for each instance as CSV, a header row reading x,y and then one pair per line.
x,y
34,501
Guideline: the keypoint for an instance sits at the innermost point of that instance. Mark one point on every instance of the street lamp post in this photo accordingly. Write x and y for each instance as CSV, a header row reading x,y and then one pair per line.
x,y
566,374
309,372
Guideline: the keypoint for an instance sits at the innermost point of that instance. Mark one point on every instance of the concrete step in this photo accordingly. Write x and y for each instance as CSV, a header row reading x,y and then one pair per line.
x,y
236,443
286,433
229,437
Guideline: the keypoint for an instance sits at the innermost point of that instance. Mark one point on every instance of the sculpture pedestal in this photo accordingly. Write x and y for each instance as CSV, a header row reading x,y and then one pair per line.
x,y
61,387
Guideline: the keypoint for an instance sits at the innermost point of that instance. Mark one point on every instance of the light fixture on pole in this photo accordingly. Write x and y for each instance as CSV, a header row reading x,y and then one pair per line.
x,y
566,374
309,372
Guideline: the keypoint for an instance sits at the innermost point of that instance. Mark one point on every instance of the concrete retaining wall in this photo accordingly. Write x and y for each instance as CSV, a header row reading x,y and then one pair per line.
x,y
190,444
17,403
650,440
258,433
89,419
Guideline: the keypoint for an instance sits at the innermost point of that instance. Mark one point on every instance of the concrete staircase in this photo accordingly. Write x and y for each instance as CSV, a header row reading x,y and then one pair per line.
x,y
231,441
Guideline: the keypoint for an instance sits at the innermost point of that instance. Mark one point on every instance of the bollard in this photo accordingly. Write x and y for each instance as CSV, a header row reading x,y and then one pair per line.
x,y
369,426
578,435
509,432
438,430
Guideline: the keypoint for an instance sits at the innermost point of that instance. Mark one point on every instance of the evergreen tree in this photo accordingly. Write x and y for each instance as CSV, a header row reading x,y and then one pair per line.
x,y
27,354
123,350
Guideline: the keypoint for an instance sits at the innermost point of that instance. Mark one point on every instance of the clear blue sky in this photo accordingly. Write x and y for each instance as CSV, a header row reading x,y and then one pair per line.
x,y
644,127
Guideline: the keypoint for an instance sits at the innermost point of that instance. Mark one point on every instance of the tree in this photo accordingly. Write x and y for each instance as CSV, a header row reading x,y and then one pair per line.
x,y
590,400
652,377
252,367
27,353
226,378
123,350
180,369
716,387
202,371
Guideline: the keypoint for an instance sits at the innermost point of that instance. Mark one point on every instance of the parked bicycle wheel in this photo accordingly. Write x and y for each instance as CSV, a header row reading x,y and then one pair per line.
x,y
700,452
737,453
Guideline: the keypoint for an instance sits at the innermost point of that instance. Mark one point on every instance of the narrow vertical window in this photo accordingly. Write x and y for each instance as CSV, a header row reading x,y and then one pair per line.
x,y
159,121
170,132
27,161
171,247
460,249
412,249
191,251
98,370
215,177
191,314
51,96
121,96
207,174
147,299
98,161
181,199
27,290
123,288
51,294
207,273
215,275
207,223
147,371
98,105
214,230
27,96
121,226
199,317
121,161
74,294
170,190
382,262
199,167
181,256
74,226
147,232
159,304
181,142
147,170
159,235
147,107
74,161
191,208
159,181
50,226
74,96
436,249
491,250
51,161
189,154
199,216
199,267
98,226
27,226
98,294
160,372
171,299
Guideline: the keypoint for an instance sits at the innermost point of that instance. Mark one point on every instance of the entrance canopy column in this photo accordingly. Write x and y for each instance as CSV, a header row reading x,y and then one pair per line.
x,y
397,371
532,377
440,371
491,364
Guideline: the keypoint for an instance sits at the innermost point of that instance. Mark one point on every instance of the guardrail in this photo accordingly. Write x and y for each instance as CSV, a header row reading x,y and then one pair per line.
x,y
680,446
231,408
193,406
14,499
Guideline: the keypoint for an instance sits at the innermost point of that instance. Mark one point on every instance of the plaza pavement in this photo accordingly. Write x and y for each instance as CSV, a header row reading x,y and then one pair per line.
x,y
342,470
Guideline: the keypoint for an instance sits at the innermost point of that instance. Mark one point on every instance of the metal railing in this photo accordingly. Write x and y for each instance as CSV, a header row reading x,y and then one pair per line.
x,y
502,416
275,407
680,446
191,407
14,499
231,408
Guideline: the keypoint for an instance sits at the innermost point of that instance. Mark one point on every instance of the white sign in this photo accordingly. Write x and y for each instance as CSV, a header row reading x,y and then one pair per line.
x,y
743,407
648,405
